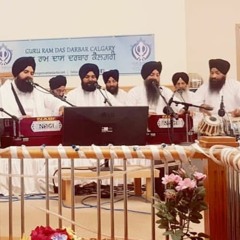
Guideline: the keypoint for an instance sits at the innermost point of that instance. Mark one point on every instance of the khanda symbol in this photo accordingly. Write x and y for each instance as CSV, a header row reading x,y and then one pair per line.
x,y
5,55
141,51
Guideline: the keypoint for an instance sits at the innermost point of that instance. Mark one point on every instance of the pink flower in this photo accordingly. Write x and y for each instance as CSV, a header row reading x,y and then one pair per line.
x,y
199,176
172,178
186,183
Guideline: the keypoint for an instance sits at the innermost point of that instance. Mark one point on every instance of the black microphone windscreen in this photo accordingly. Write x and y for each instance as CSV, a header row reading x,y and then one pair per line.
x,y
154,82
180,91
97,85
221,112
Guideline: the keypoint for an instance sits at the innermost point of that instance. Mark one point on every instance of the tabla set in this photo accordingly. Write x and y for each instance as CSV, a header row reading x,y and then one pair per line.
x,y
216,126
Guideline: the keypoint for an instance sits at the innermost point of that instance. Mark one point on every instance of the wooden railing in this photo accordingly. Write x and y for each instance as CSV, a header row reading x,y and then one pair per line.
x,y
222,183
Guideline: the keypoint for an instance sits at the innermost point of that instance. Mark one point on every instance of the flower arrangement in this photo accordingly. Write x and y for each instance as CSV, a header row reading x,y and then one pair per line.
x,y
48,233
184,202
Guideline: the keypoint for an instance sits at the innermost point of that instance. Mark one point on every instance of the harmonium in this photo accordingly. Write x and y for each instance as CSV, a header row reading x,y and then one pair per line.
x,y
165,129
35,131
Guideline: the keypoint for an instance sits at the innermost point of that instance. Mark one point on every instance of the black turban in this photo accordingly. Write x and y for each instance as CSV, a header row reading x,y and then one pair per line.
x,y
21,63
176,76
148,67
221,65
57,82
88,67
112,73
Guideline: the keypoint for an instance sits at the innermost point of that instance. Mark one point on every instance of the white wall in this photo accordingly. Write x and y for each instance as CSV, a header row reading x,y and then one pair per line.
x,y
29,19
211,33
187,33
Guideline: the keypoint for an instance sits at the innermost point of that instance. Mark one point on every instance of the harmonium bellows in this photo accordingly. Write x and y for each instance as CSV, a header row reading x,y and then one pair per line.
x,y
31,131
165,129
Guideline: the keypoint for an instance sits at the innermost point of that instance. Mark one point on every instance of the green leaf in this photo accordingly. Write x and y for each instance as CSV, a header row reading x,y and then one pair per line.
x,y
196,215
204,235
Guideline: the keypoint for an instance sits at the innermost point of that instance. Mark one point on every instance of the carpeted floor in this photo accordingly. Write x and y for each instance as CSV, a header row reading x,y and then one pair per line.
x,y
139,217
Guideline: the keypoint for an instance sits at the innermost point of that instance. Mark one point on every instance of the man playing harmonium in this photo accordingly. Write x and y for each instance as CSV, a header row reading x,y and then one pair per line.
x,y
158,98
19,97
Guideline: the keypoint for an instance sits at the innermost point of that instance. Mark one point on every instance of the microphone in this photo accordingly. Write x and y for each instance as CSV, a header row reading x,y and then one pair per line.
x,y
155,84
60,98
10,115
180,91
30,81
171,99
169,111
221,111
97,85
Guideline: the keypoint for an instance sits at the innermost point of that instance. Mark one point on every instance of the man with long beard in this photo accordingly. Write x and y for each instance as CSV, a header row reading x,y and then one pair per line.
x,y
21,99
219,89
150,93
111,80
87,93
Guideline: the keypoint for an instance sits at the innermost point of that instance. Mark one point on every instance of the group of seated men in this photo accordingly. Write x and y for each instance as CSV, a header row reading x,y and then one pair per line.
x,y
22,98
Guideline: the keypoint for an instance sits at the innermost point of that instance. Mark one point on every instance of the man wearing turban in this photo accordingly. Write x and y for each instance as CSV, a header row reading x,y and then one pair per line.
x,y
111,80
21,99
58,85
180,81
89,93
219,92
150,93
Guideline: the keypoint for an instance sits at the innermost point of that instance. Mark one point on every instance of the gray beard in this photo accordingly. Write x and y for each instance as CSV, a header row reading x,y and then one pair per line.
x,y
152,93
182,95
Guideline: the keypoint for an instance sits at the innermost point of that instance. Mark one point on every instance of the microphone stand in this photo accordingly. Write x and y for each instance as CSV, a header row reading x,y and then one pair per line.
x,y
167,110
10,115
106,100
187,105
45,89
15,121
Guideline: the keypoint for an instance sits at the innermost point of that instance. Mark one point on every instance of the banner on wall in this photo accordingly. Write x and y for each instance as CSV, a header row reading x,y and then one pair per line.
x,y
66,56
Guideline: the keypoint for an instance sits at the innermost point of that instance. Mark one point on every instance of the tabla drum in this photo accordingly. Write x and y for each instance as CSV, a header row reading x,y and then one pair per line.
x,y
232,126
210,126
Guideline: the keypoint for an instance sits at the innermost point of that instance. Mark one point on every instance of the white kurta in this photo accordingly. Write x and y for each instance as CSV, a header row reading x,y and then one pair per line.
x,y
187,97
137,96
36,104
121,96
79,97
230,92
